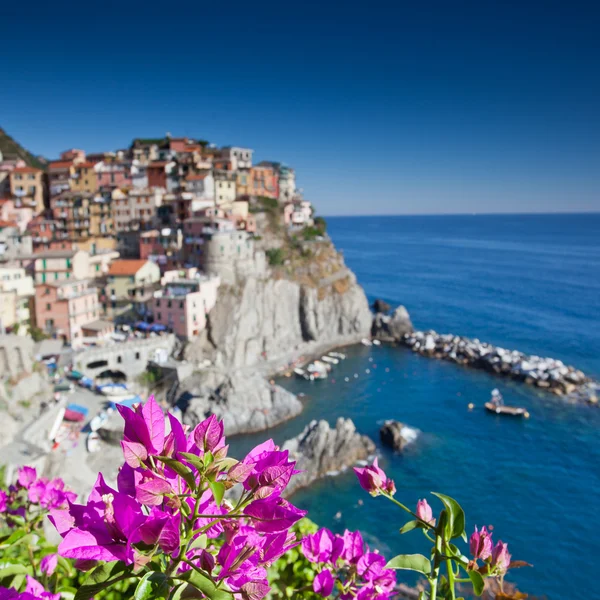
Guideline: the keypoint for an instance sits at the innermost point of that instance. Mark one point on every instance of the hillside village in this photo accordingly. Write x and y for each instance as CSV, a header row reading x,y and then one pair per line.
x,y
141,237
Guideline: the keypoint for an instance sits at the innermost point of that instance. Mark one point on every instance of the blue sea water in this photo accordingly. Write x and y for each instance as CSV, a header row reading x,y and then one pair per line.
x,y
525,282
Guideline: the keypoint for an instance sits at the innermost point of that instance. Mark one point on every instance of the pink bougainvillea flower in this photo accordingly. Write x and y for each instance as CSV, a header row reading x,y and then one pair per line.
x,y
271,472
480,544
276,545
500,557
374,480
323,583
151,490
144,425
160,528
318,546
176,440
273,514
100,530
3,501
48,564
27,475
208,435
424,512
353,546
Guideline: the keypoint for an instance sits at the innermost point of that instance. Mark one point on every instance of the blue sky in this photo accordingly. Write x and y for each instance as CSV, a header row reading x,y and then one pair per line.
x,y
382,107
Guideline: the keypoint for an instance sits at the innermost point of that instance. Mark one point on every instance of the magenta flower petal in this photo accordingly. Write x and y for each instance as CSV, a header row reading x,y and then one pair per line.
x,y
273,514
208,434
151,492
155,424
501,557
48,564
323,583
480,544
135,453
27,475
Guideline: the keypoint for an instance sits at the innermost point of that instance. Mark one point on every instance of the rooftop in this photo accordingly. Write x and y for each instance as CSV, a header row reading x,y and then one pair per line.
x,y
60,164
26,170
125,267
98,325
55,254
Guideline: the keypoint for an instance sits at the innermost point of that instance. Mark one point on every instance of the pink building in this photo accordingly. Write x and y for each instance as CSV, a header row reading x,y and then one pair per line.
x,y
63,309
182,305
113,175
11,210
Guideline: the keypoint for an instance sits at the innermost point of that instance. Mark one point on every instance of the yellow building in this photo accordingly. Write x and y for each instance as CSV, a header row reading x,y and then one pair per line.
x,y
84,178
28,185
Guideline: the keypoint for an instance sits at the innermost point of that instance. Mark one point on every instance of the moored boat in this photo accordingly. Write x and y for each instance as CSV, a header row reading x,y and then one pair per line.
x,y
93,442
512,411
330,360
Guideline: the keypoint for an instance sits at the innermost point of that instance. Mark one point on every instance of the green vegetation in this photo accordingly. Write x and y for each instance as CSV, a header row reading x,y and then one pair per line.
x,y
37,334
268,203
321,224
275,256
149,377
11,150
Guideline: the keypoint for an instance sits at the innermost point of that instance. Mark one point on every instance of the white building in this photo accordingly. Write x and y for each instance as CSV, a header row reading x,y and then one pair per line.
x,y
16,292
202,185
287,184
240,158
225,188
136,207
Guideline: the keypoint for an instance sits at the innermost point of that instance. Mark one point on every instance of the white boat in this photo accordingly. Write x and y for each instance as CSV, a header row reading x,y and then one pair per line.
x,y
366,342
114,389
318,370
98,421
376,343
338,355
320,365
330,359
93,442
304,374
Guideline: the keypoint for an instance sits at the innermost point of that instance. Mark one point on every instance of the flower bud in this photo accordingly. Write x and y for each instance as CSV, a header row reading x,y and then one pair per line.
x,y
480,544
424,512
374,480
500,557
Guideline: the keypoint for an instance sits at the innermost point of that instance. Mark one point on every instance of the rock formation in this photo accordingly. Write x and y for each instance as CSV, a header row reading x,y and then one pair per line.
x,y
396,435
392,328
546,373
320,449
246,403
381,306
270,318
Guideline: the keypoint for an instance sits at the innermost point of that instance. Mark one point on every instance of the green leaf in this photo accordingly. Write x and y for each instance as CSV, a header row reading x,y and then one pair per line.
x,y
410,562
10,569
200,542
176,593
152,586
410,526
204,584
477,581
13,538
208,459
218,490
193,459
456,516
101,577
458,555
180,469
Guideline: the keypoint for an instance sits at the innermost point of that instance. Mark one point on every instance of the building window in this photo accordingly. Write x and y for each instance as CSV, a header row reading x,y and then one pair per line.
x,y
137,356
48,306
55,276
158,316
181,304
157,303
119,360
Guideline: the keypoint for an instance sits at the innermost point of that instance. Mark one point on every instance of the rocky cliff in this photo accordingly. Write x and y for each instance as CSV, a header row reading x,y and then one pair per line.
x,y
320,449
271,318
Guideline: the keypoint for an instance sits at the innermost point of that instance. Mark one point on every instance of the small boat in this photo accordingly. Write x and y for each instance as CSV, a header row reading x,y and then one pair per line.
x,y
93,442
512,411
304,374
376,343
113,389
338,355
330,360
63,387
366,342
98,421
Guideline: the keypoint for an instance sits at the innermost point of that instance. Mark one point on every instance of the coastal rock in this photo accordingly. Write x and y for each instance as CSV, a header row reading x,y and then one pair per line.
x,y
396,435
392,328
545,373
246,403
320,450
267,319
381,306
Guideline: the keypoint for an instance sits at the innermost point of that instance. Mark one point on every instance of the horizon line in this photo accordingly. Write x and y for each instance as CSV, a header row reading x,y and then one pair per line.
x,y
467,214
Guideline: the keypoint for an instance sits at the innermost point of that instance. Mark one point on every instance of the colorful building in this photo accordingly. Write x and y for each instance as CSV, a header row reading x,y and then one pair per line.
x,y
62,309
60,173
240,158
182,305
55,266
29,186
265,181
84,178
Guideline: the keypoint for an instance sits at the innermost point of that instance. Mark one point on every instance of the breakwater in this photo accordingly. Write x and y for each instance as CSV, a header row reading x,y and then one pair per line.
x,y
547,373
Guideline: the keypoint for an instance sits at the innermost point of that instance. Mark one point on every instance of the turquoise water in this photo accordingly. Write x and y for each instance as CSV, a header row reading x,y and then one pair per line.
x,y
525,282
